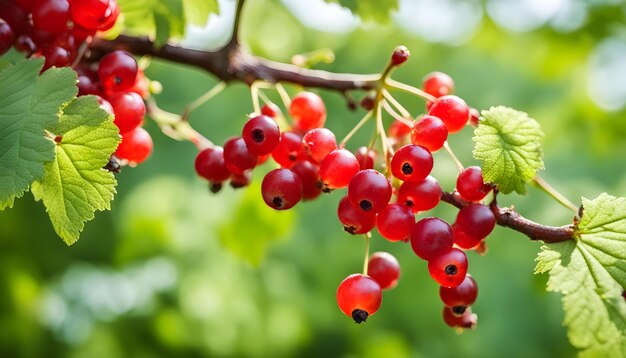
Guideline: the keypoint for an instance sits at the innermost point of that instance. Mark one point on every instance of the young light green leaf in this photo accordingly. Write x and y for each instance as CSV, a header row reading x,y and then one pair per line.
x,y
370,10
29,105
590,272
75,185
508,145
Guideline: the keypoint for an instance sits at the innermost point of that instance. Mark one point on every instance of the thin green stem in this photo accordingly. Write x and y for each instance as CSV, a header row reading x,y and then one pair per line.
x,y
254,92
454,157
366,259
358,126
284,96
389,83
219,87
548,189
403,111
396,115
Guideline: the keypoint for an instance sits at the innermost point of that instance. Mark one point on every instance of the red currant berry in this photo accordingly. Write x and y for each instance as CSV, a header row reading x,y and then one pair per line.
x,y
15,16
359,297
6,37
430,133
289,150
105,105
308,111
452,110
271,110
87,82
384,268
462,240
365,157
431,237
261,135
241,180
474,117
337,169
420,196
129,110
309,174
56,57
25,44
117,71
462,295
89,13
411,163
281,189
318,143
110,17
135,147
466,320
237,157
354,220
398,129
470,184
449,268
395,222
438,84
400,55
476,221
369,190
51,15
210,165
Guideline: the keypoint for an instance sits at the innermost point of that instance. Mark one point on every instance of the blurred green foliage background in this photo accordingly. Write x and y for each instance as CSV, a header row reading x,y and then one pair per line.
x,y
175,271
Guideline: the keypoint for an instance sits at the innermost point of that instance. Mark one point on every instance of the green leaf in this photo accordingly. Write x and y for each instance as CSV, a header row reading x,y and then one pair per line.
x,y
164,19
508,145
370,10
29,105
75,185
590,272
254,226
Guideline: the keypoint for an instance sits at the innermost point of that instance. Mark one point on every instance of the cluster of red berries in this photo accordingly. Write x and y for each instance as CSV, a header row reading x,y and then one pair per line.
x,y
57,30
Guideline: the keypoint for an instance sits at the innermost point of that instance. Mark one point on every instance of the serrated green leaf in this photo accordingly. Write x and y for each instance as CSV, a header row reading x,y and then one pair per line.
x,y
370,10
508,145
29,105
75,185
164,19
590,272
254,227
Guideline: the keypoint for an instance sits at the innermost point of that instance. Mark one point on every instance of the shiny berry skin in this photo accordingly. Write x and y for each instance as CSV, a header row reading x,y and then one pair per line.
x,y
448,269
369,190
281,189
289,150
87,82
318,142
395,221
6,37
359,297
431,237
464,241
476,221
89,13
26,5
438,84
452,110
308,111
365,157
261,135
467,320
400,55
117,71
56,57
129,110
411,163
241,180
337,169
398,129
237,157
309,174
420,196
135,147
430,133
111,16
470,184
51,15
462,295
271,110
354,220
105,105
474,117
384,268
25,44
210,165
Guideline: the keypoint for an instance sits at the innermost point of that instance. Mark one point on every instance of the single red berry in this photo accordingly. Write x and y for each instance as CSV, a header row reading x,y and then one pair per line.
x,y
470,184
271,110
289,150
430,133
111,16
237,157
467,319
359,297
431,237
56,57
474,117
369,190
309,174
449,268
464,241
25,44
6,37
51,15
462,295
411,163
354,220
117,71
395,221
238,181
210,165
337,169
398,129
129,110
384,268
365,157
261,135
420,196
89,13
308,111
476,221
438,84
318,142
452,110
400,55
135,147
281,189
105,105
